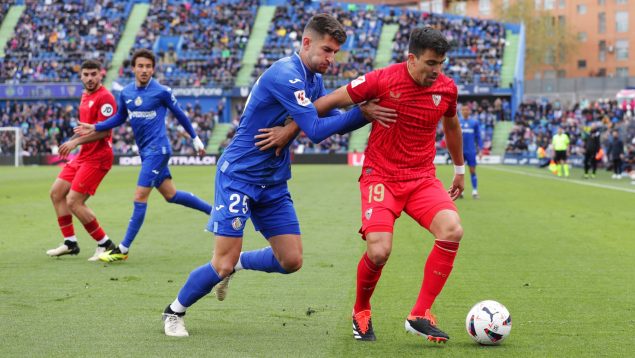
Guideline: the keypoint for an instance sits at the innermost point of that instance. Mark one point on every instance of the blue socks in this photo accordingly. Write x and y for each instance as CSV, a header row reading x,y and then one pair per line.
x,y
474,181
138,214
261,260
191,201
199,284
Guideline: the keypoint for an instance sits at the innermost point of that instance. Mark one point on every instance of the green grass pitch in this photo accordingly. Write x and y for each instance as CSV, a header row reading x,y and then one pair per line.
x,y
560,254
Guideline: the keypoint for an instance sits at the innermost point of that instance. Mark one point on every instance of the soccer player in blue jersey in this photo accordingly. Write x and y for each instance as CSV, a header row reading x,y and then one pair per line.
x,y
252,183
472,144
144,104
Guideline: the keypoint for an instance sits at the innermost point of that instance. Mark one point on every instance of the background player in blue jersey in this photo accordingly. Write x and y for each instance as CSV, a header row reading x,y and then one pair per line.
x,y
252,183
472,144
144,104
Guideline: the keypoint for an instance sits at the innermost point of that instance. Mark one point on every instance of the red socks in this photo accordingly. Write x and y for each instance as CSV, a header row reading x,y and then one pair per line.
x,y
367,276
66,225
95,230
436,272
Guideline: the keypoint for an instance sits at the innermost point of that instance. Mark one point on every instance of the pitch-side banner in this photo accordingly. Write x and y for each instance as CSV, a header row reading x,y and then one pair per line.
x,y
43,91
357,159
174,160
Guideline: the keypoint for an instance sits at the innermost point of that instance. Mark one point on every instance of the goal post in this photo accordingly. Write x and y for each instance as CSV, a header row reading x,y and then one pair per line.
x,y
17,143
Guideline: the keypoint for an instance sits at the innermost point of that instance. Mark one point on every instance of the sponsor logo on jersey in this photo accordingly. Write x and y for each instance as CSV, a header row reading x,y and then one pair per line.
x,y
219,207
142,114
106,110
302,99
436,98
358,81
173,99
128,101
294,81
368,213
138,101
237,224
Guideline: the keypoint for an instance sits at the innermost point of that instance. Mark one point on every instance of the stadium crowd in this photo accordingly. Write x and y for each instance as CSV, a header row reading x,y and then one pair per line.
x,y
537,121
363,24
477,45
53,37
208,41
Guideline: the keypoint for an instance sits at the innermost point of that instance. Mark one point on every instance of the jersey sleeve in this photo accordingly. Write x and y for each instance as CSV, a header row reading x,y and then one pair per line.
x,y
334,111
290,92
107,107
365,87
118,119
169,100
451,111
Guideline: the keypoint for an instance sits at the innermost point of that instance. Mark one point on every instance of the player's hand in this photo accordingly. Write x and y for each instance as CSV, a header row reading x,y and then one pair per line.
x,y
198,146
457,187
66,148
84,128
275,137
374,112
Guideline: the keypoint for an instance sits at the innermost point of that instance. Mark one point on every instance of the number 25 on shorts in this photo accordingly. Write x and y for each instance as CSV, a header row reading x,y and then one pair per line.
x,y
376,193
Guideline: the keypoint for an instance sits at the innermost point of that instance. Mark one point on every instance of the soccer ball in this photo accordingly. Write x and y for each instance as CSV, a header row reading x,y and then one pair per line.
x,y
488,322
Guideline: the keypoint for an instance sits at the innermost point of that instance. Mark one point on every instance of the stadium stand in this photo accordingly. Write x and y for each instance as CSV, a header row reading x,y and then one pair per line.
x,y
199,43
537,121
53,37
477,45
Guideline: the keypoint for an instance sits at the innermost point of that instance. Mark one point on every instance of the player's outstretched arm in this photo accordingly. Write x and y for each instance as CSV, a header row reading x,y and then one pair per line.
x,y
454,140
66,148
170,101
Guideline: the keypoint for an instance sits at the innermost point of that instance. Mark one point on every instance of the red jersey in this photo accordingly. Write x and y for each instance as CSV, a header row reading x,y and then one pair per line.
x,y
406,150
97,107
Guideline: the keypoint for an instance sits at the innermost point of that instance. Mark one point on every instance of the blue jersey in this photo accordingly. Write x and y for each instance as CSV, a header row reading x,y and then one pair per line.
x,y
287,89
471,135
145,109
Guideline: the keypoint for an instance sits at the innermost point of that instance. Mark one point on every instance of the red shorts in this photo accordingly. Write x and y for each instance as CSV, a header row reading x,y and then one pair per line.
x,y
84,177
383,201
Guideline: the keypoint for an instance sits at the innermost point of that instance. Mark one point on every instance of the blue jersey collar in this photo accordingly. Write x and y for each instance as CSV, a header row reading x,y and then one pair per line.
x,y
145,87
309,76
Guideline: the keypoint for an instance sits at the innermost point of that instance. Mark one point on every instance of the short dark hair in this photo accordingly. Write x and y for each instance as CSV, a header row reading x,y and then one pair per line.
x,y
144,53
90,65
423,38
325,24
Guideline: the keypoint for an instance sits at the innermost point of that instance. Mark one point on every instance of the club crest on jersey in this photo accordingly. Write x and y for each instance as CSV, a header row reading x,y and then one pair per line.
x,y
302,99
90,103
237,224
436,98
358,81
138,101
106,110
368,213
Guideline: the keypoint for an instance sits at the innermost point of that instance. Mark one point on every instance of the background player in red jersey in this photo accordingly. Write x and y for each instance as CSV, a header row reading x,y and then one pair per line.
x,y
80,177
399,175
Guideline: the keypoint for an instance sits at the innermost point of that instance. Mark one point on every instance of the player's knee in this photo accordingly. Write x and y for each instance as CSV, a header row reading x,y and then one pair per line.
x,y
292,264
56,195
453,232
379,256
224,268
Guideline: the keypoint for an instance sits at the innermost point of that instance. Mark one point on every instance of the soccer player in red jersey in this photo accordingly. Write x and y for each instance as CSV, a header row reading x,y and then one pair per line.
x,y
399,175
81,176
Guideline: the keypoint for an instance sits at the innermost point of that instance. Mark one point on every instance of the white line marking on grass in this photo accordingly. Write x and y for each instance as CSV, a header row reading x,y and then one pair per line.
x,y
561,180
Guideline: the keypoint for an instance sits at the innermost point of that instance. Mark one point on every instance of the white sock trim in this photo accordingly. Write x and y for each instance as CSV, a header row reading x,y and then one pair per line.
x,y
123,249
71,238
239,265
177,307
102,241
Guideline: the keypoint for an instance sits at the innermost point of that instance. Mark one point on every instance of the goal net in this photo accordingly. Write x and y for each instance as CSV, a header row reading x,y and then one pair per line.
x,y
10,146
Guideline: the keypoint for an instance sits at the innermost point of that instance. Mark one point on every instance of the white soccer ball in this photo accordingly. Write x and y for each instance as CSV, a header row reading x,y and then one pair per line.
x,y
488,322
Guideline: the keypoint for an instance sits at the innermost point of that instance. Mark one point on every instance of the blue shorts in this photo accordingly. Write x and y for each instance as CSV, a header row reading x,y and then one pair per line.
x,y
154,170
269,206
470,159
